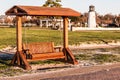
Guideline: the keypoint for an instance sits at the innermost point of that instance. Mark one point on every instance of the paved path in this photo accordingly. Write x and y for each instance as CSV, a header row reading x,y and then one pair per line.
x,y
102,72
112,74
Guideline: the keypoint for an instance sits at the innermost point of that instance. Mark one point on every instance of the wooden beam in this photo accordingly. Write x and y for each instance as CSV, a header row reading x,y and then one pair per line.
x,y
65,32
19,58
23,59
67,52
19,34
71,56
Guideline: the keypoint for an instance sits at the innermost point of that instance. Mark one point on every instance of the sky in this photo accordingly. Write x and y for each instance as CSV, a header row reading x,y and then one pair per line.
x,y
101,6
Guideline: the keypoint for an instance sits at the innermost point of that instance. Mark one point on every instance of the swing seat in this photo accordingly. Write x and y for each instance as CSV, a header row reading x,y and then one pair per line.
x,y
42,51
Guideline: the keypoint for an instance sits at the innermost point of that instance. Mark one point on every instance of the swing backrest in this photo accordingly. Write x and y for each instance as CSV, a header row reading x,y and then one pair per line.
x,y
39,47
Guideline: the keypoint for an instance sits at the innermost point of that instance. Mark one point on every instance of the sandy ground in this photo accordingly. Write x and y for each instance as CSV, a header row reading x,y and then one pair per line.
x,y
95,46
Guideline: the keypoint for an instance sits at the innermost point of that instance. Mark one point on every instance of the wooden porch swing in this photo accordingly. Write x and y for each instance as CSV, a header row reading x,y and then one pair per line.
x,y
43,50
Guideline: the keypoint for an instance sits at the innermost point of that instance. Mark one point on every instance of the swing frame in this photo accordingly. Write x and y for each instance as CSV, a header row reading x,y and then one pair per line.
x,y
19,11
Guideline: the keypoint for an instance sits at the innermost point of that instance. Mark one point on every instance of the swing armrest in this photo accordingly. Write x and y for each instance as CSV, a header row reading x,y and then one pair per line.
x,y
58,48
26,51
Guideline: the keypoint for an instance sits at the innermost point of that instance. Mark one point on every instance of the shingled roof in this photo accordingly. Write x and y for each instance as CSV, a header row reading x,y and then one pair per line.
x,y
41,11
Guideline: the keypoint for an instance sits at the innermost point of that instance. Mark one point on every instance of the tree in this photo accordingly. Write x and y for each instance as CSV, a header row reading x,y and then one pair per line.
x,y
52,3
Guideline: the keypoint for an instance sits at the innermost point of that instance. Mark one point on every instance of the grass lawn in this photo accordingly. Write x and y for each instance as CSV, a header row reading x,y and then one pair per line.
x,y
7,36
93,55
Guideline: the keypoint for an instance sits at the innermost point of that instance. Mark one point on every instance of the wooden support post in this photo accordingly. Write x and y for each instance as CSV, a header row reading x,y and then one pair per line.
x,y
65,32
70,54
19,58
14,59
19,34
65,36
19,39
67,52
19,43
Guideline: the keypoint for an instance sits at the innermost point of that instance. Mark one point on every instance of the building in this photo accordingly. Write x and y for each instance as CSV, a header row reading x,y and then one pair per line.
x,y
91,17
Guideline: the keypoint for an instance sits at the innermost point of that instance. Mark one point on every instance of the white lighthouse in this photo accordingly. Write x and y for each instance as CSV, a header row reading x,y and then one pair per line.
x,y
92,17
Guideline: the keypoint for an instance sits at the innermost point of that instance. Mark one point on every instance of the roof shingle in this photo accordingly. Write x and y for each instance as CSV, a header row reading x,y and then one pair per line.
x,y
41,11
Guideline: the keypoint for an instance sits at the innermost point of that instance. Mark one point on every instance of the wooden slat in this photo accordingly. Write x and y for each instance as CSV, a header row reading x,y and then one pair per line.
x,y
47,55
39,47
48,58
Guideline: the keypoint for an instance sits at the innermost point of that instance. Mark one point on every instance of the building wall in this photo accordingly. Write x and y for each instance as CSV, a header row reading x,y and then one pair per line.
x,y
92,19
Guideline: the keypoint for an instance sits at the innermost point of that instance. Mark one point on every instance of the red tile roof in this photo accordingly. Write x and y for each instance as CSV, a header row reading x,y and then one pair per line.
x,y
41,11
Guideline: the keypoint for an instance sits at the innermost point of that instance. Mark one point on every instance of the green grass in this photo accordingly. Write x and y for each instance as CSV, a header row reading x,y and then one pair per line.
x,y
102,58
99,55
94,36
98,58
8,36
83,57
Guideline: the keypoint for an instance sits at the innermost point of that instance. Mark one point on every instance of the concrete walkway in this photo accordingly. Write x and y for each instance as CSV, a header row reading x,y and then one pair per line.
x,y
111,74
100,72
